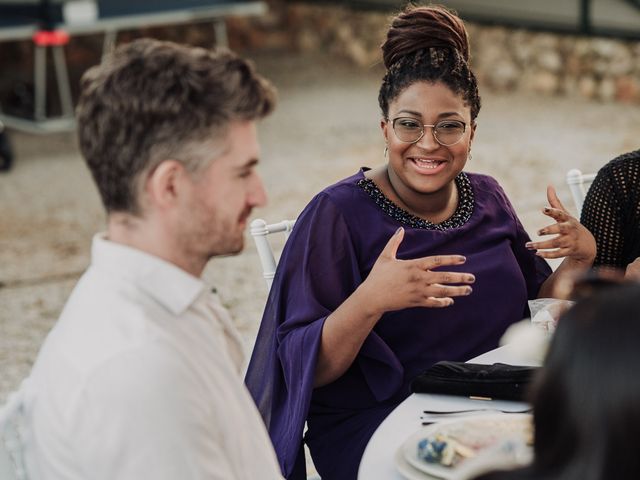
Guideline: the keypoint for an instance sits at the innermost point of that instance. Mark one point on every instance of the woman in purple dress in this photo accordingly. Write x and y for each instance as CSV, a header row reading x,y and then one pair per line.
x,y
398,267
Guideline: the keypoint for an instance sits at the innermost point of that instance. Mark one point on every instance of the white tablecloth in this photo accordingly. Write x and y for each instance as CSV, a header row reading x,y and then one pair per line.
x,y
378,460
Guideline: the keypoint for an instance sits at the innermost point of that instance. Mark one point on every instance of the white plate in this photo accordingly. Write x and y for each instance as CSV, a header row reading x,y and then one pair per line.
x,y
497,433
406,470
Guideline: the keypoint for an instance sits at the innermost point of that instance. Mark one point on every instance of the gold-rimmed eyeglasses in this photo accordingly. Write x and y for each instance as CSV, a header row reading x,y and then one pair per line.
x,y
445,132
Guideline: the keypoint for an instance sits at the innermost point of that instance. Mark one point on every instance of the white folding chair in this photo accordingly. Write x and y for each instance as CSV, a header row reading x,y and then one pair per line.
x,y
12,465
259,231
579,184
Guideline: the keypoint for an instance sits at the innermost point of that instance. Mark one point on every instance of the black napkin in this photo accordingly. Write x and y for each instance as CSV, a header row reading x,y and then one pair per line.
x,y
507,382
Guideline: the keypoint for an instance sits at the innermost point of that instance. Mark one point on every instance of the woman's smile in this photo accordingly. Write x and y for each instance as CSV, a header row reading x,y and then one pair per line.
x,y
427,165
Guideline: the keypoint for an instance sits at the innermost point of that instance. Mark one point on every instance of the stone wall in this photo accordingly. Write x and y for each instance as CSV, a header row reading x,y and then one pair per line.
x,y
504,59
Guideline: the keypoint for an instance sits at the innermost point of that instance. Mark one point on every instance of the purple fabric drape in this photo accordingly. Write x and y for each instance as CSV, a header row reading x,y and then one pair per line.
x,y
333,247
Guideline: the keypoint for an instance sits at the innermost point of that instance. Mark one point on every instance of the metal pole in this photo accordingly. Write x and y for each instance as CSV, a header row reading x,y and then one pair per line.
x,y
46,15
66,103
109,42
220,28
585,16
40,82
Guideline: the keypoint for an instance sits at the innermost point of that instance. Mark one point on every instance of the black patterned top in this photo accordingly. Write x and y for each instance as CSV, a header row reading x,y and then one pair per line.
x,y
462,214
611,211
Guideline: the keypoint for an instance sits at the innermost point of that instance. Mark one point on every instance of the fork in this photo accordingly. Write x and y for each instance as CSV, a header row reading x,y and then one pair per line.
x,y
435,413
450,412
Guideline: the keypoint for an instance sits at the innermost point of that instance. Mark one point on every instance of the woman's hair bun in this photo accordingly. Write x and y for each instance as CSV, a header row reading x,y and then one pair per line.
x,y
418,28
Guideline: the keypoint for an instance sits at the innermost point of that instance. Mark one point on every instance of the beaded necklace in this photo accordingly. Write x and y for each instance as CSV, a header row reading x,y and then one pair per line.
x,y
466,202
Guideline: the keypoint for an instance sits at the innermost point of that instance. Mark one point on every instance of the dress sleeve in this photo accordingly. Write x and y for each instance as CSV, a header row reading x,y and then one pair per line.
x,y
602,216
535,269
317,271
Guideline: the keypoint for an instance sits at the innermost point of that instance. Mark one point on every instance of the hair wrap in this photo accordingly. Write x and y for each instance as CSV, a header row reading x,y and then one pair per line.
x,y
421,28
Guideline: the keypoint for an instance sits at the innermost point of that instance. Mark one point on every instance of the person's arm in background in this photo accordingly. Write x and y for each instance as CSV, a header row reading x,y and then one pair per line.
x,y
601,215
633,270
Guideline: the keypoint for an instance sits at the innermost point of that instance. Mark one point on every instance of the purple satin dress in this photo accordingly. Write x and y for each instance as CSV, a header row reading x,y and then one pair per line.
x,y
335,242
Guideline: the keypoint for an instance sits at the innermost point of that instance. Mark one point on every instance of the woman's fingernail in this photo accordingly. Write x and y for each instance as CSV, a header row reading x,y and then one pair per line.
x,y
529,245
469,290
398,230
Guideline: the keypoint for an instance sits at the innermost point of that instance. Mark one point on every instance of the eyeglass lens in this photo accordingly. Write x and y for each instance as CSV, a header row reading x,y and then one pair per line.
x,y
446,132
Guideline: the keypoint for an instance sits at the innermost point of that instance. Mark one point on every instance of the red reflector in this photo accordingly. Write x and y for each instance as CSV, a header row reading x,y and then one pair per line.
x,y
46,38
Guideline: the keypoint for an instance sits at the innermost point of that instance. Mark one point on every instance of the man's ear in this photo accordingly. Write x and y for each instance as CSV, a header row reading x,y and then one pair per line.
x,y
163,183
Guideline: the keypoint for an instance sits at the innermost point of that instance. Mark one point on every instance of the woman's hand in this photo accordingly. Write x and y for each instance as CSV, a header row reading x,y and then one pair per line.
x,y
396,284
391,285
633,270
572,239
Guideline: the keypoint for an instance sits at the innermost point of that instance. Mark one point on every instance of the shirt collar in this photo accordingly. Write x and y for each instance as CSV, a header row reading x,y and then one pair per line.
x,y
168,284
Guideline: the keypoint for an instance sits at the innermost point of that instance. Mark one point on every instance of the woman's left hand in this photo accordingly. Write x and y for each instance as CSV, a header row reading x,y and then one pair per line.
x,y
572,239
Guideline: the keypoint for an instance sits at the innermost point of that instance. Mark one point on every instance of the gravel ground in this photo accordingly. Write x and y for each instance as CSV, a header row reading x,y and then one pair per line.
x,y
325,127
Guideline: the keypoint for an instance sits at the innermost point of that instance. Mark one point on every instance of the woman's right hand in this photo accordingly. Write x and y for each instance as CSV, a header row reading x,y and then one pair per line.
x,y
395,284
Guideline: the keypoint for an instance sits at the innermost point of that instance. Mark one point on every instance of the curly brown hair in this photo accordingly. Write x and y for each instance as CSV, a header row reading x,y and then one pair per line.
x,y
427,44
151,101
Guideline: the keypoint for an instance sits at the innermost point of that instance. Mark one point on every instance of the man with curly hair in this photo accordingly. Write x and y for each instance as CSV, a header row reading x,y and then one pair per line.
x,y
140,377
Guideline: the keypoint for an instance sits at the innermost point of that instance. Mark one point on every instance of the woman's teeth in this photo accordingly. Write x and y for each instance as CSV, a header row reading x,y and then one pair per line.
x,y
426,163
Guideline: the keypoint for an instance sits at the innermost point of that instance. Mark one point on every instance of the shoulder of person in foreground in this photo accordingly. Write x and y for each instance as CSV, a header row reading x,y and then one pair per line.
x,y
614,184
147,413
622,166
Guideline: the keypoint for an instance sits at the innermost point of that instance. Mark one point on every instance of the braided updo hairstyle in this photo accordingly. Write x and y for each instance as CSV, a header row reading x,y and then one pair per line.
x,y
427,44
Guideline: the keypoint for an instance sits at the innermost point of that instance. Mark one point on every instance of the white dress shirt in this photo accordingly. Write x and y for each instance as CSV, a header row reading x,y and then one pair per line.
x,y
140,378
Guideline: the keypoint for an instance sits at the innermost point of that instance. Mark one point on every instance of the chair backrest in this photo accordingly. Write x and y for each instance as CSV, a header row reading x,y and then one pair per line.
x,y
12,465
579,184
259,231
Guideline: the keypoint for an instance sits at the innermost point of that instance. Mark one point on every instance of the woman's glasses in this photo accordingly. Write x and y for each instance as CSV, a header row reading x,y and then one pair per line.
x,y
445,132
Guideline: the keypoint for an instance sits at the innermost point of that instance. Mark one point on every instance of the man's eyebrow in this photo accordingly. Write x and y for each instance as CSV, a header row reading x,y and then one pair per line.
x,y
251,163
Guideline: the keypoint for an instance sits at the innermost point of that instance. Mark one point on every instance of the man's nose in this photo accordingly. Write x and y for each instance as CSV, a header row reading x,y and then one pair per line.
x,y
258,194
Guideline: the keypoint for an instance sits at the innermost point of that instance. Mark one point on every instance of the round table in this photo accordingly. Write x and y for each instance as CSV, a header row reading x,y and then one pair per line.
x,y
378,459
